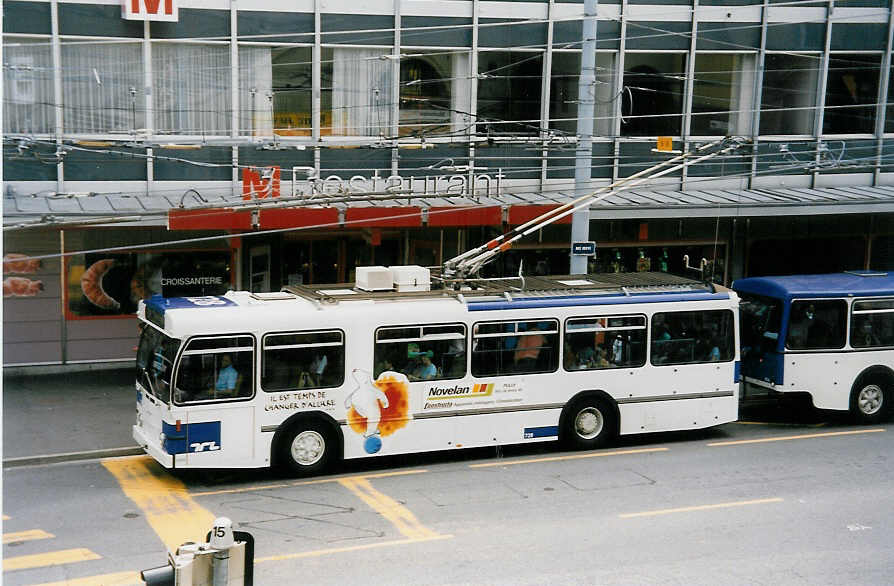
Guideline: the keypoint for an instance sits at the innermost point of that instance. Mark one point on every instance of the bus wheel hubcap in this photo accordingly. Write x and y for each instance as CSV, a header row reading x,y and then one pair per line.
x,y
870,399
308,447
588,423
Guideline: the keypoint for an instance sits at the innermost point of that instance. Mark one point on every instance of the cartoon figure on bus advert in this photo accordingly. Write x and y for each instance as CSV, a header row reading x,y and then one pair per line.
x,y
377,409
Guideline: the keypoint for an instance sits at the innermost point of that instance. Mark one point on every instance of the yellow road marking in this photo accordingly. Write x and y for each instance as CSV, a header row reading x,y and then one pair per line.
x,y
794,437
572,457
700,508
53,558
322,552
119,579
305,482
168,507
400,516
779,424
29,535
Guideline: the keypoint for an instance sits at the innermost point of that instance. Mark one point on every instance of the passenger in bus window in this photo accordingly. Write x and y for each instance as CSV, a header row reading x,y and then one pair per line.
x,y
600,360
426,369
527,352
226,377
317,366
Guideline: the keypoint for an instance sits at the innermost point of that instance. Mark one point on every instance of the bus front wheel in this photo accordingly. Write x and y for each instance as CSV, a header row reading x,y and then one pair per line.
x,y
589,423
306,448
871,401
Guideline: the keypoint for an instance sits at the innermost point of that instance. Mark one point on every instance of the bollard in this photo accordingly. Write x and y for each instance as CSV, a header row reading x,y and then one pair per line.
x,y
226,559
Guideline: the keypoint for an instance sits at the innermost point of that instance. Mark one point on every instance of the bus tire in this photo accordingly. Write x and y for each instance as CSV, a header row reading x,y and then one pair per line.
x,y
871,400
306,448
589,423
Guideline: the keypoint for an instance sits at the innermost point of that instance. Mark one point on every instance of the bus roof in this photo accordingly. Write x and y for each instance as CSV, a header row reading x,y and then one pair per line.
x,y
341,303
847,284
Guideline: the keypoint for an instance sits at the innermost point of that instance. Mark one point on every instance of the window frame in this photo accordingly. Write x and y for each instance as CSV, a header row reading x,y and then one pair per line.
x,y
853,311
437,337
566,331
730,340
184,351
845,324
552,367
264,347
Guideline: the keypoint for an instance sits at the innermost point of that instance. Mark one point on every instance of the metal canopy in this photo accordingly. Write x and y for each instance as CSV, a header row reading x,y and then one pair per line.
x,y
153,209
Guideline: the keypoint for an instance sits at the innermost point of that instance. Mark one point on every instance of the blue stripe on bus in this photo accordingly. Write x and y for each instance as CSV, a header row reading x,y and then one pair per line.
x,y
548,431
541,302
737,372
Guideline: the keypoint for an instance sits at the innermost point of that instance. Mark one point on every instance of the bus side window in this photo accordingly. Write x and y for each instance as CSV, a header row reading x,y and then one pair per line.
x,y
215,368
685,337
302,360
872,323
816,324
421,352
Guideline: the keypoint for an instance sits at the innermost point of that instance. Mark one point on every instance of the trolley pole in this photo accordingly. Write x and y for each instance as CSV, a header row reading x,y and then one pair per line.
x,y
586,94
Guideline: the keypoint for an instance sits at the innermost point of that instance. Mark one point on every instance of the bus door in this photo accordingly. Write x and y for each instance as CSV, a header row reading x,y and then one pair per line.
x,y
214,387
762,339
815,327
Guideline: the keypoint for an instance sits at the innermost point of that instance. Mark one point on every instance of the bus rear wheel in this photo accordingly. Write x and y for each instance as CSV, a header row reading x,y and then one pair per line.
x,y
306,448
871,401
589,423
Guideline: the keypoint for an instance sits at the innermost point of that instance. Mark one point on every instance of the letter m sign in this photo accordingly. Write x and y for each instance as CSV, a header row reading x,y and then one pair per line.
x,y
164,10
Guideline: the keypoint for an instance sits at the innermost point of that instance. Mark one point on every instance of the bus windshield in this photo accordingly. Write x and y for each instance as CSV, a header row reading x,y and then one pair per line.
x,y
155,361
761,320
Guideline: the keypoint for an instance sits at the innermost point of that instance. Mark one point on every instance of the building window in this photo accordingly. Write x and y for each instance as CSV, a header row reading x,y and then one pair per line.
x,y
721,94
275,91
28,87
653,94
304,360
356,92
509,89
788,101
434,92
103,87
192,88
563,94
605,342
434,352
515,347
851,94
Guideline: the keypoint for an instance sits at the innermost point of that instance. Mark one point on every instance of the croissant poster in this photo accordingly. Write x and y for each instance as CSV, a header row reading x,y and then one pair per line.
x,y
112,284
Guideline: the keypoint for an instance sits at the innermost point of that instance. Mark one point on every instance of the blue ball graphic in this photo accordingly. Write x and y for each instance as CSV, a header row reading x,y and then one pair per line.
x,y
372,444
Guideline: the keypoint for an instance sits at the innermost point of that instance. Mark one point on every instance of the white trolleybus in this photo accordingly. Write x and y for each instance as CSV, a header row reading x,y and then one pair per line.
x,y
397,363
829,336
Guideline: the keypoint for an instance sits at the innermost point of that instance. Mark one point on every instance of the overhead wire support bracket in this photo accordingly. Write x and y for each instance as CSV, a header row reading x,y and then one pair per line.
x,y
468,264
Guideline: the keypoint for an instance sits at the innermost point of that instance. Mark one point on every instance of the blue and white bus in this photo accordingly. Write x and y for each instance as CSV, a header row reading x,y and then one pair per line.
x,y
305,377
829,336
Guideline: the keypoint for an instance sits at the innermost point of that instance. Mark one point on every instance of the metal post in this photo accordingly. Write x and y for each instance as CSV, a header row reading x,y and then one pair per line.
x,y
580,220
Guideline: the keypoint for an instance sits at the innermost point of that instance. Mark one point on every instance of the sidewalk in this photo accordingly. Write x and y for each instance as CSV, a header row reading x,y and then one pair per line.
x,y
70,415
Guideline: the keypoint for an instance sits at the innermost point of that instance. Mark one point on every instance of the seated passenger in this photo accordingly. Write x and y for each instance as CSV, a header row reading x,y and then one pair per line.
x,y
426,369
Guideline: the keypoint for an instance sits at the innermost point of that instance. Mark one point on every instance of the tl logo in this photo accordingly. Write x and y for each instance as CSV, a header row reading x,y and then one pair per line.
x,y
204,446
159,10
